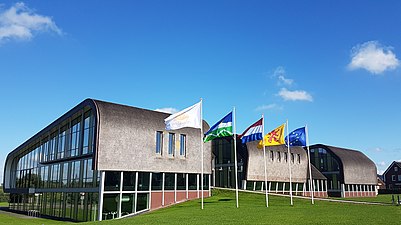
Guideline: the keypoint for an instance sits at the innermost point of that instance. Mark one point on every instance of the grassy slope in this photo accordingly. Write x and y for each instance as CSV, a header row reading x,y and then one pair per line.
x,y
220,209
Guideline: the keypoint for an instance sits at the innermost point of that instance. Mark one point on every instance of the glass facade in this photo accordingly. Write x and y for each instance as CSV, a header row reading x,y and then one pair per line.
x,y
134,196
328,164
54,175
224,171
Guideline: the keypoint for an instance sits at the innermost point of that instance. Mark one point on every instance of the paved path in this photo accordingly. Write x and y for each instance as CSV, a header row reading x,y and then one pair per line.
x,y
303,197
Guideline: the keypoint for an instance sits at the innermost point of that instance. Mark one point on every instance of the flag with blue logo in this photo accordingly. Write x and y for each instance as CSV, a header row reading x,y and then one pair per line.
x,y
252,133
223,128
297,137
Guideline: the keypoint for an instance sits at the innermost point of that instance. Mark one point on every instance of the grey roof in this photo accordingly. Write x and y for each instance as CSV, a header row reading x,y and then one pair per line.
x,y
316,174
357,167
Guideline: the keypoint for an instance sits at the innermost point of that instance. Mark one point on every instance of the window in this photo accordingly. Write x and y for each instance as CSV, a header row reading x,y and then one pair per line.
x,y
272,155
279,156
299,158
292,157
171,144
86,148
61,142
75,137
392,177
285,156
395,168
183,145
159,142
399,177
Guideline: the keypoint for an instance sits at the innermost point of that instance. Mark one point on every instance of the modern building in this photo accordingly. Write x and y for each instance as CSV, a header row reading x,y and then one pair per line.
x,y
349,173
102,161
251,168
335,171
392,176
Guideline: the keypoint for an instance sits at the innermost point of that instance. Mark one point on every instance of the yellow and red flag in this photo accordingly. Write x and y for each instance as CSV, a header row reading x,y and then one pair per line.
x,y
274,137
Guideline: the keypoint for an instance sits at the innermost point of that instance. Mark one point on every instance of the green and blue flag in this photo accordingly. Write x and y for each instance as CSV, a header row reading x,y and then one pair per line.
x,y
223,128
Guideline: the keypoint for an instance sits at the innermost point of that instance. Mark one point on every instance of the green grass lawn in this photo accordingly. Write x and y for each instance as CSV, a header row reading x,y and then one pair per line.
x,y
3,204
220,209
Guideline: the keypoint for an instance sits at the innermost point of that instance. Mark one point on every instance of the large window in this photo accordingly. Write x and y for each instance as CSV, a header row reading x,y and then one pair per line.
x,y
62,142
159,142
129,181
171,144
75,137
183,144
75,174
112,181
88,133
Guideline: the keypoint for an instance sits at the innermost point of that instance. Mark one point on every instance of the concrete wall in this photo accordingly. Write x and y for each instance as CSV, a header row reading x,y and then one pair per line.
x,y
276,171
127,142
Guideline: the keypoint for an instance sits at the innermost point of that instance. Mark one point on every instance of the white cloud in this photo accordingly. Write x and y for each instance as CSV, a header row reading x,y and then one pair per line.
x,y
382,163
167,110
269,107
378,149
21,23
373,57
280,73
298,95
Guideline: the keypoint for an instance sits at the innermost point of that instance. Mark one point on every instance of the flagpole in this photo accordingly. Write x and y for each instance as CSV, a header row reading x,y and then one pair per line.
x,y
289,162
235,158
311,191
264,158
201,142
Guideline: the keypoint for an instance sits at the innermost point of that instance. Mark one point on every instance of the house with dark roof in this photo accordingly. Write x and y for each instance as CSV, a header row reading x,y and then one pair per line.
x,y
392,176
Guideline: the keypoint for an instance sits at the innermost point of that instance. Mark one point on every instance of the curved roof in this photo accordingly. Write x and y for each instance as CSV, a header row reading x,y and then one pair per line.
x,y
121,128
357,167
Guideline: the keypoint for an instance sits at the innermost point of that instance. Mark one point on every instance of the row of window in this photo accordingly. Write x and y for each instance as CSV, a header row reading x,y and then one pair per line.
x,y
113,180
72,174
72,139
128,192
171,144
75,206
279,155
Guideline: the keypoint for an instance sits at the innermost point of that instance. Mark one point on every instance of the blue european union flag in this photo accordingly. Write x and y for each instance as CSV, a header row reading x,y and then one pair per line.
x,y
297,137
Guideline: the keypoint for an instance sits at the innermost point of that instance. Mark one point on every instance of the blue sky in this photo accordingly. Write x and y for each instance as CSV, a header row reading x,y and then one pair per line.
x,y
333,65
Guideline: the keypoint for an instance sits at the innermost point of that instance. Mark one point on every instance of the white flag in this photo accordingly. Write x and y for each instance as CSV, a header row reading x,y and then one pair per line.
x,y
189,117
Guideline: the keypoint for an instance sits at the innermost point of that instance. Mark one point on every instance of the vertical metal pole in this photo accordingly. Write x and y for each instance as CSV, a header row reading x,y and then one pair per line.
x,y
201,142
289,164
235,159
101,190
309,164
120,195
150,191
136,191
264,159
163,184
186,186
175,187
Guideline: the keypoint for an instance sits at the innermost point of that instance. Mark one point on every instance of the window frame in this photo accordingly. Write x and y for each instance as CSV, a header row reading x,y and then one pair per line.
x,y
183,145
171,144
159,142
